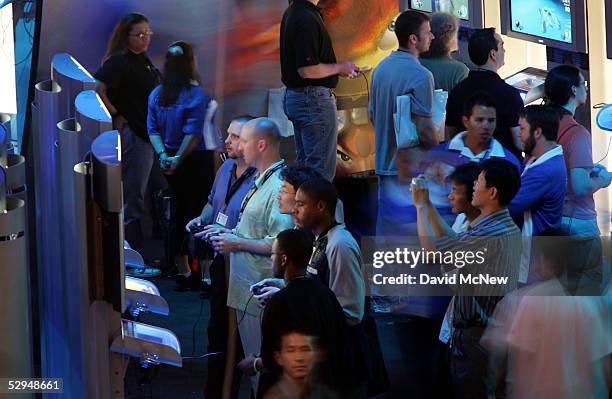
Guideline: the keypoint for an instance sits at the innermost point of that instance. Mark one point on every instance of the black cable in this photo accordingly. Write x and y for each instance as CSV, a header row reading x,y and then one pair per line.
x,y
367,88
193,346
608,150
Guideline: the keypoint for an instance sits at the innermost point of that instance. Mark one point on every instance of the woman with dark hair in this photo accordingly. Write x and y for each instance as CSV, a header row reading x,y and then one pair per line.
x,y
124,83
565,89
179,111
446,71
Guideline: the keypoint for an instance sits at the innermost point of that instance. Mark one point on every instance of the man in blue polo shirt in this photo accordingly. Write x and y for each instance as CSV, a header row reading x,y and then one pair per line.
x,y
401,74
538,206
232,182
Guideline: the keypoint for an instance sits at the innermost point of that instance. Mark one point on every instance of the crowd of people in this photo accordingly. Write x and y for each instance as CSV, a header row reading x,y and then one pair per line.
x,y
289,285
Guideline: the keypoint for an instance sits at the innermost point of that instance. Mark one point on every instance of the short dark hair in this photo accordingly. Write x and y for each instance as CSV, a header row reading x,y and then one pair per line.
x,y
558,84
409,23
297,175
296,245
544,117
481,99
321,190
466,175
444,27
480,45
504,176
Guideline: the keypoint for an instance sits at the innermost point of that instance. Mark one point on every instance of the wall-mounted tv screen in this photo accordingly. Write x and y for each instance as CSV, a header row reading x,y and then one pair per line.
x,y
555,23
470,12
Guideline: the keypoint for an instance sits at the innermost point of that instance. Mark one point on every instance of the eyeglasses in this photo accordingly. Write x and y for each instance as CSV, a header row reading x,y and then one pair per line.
x,y
142,35
287,192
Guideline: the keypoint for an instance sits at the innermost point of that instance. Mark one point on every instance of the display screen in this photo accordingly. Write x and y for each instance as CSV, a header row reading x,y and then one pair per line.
x,y
550,19
459,8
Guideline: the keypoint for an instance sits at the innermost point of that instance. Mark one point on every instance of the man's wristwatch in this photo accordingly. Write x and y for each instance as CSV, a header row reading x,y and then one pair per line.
x,y
255,365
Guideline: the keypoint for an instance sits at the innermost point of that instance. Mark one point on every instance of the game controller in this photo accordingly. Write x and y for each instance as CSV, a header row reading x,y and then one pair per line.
x,y
196,229
365,68
257,290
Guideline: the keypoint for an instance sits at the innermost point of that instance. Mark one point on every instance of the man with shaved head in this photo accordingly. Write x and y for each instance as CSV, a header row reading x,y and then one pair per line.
x,y
250,243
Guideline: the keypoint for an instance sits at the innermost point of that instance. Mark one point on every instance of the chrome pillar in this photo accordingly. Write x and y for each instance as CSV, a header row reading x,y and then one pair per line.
x,y
92,116
73,79
5,136
15,330
53,318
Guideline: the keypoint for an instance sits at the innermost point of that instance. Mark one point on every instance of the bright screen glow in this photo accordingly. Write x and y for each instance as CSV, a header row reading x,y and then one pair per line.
x,y
8,91
550,19
459,8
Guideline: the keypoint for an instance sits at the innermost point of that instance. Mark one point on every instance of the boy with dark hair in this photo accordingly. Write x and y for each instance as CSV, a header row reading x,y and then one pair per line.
x,y
461,195
303,303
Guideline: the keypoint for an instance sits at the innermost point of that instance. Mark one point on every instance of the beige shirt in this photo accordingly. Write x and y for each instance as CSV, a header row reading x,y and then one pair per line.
x,y
261,220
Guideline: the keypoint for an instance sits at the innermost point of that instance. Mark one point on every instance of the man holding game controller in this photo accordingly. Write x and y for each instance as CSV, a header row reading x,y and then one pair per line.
x,y
310,71
259,221
232,182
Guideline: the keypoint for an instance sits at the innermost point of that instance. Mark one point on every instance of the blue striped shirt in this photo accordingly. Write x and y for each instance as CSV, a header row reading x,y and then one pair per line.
x,y
498,233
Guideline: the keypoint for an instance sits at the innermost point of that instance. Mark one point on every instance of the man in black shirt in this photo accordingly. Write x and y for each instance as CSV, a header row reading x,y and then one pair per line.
x,y
310,71
486,49
304,304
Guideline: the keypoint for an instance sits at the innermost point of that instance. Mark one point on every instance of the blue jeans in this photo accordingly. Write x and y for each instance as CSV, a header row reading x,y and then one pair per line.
x,y
137,159
312,111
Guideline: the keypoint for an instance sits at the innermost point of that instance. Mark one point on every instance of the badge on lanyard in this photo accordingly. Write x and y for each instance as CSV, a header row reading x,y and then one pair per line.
x,y
221,219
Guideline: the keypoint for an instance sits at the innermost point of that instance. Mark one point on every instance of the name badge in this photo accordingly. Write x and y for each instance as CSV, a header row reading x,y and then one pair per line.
x,y
312,270
221,219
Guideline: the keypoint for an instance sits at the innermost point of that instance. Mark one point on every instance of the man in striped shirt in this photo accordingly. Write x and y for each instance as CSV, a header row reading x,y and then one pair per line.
x,y
497,183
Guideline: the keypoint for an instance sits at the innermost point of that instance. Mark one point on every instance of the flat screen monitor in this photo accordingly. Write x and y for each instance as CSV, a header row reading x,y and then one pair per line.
x,y
554,23
469,12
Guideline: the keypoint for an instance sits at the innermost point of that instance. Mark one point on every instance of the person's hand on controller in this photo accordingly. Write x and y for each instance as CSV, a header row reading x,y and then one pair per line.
x,y
211,230
347,69
264,294
193,223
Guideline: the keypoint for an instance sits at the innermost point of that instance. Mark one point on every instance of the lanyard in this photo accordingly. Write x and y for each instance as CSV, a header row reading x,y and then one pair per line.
x,y
233,187
254,189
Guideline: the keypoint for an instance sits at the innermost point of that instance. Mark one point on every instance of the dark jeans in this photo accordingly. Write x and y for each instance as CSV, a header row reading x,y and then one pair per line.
x,y
312,111
218,333
469,365
189,186
137,159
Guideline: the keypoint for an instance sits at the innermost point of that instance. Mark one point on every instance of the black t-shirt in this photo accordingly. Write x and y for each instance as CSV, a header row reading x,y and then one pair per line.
x,y
130,78
305,304
304,41
507,99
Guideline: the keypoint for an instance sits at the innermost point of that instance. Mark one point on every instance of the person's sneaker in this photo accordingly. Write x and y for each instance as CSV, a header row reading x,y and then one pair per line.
x,y
147,272
191,283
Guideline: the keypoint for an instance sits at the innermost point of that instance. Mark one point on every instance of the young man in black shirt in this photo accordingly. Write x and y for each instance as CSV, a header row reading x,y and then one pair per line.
x,y
303,304
310,71
486,49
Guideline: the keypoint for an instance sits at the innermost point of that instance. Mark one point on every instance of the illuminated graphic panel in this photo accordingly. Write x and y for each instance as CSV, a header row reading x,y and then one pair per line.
x,y
550,19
